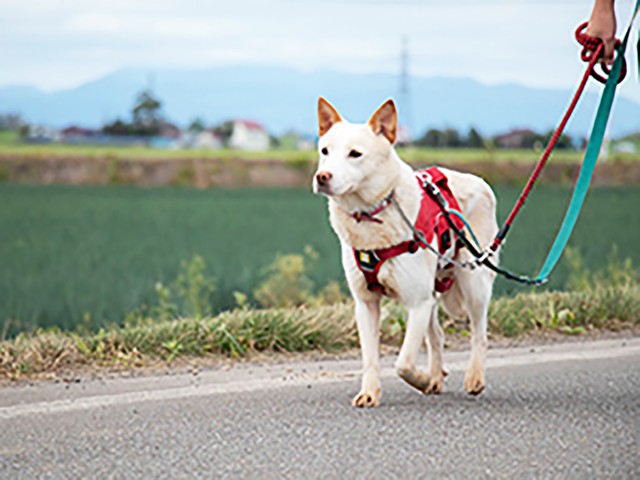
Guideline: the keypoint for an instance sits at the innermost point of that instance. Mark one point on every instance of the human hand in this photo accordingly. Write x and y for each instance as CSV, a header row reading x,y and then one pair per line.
x,y
602,25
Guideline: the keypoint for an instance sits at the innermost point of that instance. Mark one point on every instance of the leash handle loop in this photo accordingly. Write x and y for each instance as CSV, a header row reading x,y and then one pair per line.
x,y
594,47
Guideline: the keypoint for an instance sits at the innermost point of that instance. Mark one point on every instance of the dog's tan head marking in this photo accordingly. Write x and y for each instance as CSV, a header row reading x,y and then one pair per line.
x,y
327,116
385,120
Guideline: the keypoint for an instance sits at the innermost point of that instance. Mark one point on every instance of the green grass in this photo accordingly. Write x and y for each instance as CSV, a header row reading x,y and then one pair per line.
x,y
419,155
242,332
8,139
144,153
9,147
90,255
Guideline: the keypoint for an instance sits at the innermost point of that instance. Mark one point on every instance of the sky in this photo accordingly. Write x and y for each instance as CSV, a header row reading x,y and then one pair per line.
x,y
59,44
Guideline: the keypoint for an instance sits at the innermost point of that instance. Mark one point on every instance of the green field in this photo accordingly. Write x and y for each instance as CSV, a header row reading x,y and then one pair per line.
x,y
9,147
69,252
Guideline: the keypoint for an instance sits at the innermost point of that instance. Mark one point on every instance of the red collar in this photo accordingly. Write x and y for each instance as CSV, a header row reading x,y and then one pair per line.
x,y
363,215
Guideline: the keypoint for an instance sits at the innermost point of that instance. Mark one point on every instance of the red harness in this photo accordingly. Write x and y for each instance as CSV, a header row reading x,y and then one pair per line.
x,y
430,221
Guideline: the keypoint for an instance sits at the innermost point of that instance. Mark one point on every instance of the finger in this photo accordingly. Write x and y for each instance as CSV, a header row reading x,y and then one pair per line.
x,y
607,58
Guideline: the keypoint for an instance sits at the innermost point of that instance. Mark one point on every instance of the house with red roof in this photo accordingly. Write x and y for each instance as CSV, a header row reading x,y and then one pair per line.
x,y
249,135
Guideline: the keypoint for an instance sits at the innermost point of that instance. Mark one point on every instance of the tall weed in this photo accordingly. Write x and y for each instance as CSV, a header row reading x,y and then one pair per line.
x,y
195,288
286,283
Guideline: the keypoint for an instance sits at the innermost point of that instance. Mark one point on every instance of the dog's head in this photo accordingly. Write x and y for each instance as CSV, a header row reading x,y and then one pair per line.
x,y
354,157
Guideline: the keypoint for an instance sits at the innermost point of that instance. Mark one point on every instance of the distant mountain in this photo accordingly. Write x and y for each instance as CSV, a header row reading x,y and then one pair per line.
x,y
284,99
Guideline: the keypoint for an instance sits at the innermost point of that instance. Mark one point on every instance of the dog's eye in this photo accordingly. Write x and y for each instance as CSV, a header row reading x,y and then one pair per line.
x,y
355,154
324,151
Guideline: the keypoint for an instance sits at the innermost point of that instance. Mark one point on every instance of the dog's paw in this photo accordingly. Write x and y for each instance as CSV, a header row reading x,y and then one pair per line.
x,y
414,377
474,381
435,385
366,400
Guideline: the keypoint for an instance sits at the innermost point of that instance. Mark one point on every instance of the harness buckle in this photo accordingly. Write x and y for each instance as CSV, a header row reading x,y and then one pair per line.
x,y
367,259
480,260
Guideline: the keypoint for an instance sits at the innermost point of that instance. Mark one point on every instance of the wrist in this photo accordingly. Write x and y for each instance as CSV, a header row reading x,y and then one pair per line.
x,y
603,5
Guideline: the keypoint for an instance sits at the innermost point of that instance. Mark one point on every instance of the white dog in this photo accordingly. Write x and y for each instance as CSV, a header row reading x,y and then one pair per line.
x,y
369,187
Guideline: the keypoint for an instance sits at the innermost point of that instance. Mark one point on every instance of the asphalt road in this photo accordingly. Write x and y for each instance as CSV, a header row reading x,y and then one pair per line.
x,y
568,411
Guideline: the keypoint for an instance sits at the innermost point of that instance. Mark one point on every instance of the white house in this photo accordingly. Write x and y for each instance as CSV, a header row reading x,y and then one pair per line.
x,y
249,135
43,134
206,139
624,147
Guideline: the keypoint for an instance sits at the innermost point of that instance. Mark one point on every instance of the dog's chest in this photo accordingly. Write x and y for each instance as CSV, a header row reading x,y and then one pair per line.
x,y
429,224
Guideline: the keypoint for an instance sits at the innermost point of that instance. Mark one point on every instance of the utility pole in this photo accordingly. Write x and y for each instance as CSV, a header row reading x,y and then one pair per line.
x,y
151,81
404,97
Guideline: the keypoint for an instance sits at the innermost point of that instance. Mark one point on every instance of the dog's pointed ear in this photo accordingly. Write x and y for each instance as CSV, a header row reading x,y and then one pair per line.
x,y
327,116
385,121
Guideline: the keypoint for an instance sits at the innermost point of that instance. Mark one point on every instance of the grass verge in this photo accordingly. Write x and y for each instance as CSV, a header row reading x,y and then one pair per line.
x,y
417,155
245,332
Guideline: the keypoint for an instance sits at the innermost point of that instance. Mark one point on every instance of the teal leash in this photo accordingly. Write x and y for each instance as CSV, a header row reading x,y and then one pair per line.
x,y
466,224
590,160
615,75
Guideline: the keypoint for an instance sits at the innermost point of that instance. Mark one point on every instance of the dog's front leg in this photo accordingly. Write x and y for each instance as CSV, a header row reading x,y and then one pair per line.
x,y
419,318
368,321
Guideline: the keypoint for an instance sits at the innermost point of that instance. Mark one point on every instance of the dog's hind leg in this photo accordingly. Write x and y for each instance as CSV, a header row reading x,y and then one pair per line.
x,y
435,345
368,321
476,289
417,327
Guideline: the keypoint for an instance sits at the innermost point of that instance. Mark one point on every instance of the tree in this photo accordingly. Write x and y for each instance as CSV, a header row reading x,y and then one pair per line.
x,y
565,142
224,131
451,138
447,138
196,126
146,111
474,139
24,130
146,118
11,122
431,138
274,142
118,127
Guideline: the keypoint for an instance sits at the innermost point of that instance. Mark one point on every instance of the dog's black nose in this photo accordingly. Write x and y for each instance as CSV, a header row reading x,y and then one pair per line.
x,y
323,177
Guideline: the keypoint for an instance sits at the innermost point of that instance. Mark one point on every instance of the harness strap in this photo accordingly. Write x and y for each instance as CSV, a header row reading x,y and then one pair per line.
x,y
430,221
370,261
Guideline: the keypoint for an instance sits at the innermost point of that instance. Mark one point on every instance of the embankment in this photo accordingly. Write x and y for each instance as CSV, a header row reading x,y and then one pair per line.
x,y
240,172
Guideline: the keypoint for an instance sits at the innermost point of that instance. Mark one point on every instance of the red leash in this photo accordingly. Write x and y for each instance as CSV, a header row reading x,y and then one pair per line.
x,y
589,49
592,50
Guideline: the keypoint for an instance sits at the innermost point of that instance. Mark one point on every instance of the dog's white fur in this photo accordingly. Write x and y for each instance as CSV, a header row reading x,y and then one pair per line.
x,y
359,184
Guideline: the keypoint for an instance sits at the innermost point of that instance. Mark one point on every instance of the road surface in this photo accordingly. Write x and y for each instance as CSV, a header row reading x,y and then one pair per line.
x,y
563,411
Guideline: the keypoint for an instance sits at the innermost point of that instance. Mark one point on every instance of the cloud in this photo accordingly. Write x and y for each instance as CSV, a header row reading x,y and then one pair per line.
x,y
93,23
61,43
